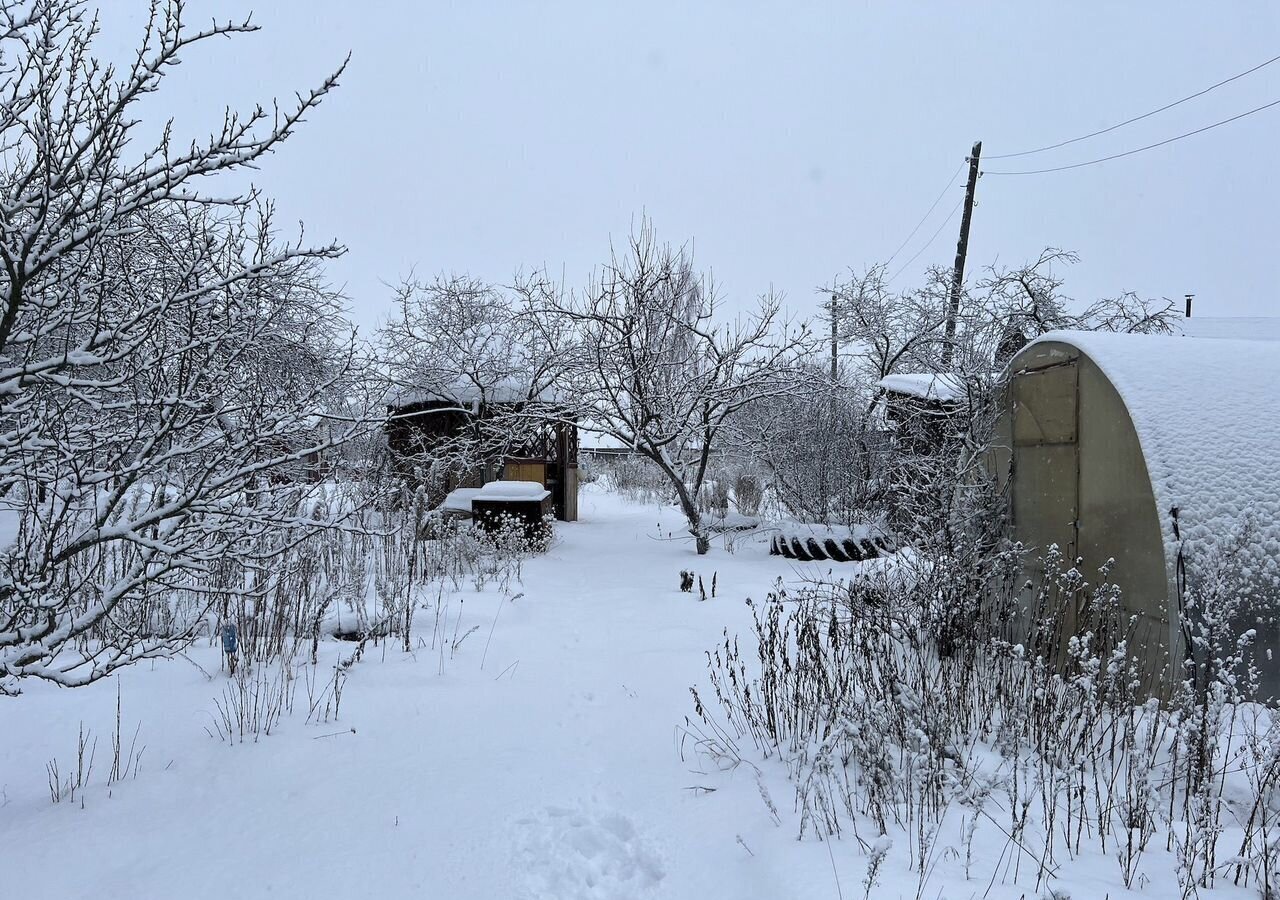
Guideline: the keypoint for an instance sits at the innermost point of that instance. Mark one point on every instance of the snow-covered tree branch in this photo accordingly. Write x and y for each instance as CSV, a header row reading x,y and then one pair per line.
x,y
654,367
467,346
166,363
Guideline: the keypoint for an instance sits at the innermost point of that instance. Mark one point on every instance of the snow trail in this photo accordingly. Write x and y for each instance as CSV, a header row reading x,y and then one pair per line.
x,y
553,772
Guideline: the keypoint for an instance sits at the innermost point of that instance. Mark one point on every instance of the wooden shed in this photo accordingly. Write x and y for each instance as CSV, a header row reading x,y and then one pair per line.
x,y
541,445
923,410
1154,451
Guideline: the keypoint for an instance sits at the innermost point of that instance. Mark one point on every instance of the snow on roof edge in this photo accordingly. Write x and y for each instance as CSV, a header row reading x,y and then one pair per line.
x,y
1207,417
943,386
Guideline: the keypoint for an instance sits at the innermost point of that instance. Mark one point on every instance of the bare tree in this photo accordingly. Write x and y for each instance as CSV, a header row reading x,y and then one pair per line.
x,y
892,331
905,331
1023,303
459,337
932,444
821,446
164,360
654,368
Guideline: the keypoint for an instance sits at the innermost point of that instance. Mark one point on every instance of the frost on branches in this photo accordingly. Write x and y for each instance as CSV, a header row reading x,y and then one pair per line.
x,y
166,366
654,370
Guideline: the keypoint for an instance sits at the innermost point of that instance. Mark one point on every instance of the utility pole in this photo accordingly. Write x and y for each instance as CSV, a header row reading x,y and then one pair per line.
x,y
835,368
962,250
835,409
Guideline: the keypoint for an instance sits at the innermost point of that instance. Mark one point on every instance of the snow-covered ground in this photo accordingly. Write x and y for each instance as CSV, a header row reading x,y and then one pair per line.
x,y
553,770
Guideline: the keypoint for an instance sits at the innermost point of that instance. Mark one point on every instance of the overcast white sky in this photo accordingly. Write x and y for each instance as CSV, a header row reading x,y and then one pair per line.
x,y
790,141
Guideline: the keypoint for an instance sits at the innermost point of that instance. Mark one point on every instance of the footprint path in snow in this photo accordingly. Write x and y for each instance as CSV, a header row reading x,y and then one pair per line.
x,y
585,854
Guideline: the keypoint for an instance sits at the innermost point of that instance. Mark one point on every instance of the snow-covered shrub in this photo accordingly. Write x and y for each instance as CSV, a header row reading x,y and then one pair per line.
x,y
588,469
168,359
634,477
254,702
714,498
818,447
1023,720
747,494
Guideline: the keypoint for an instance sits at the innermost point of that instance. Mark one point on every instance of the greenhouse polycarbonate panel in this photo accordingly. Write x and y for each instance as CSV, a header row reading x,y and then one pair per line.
x,y
1045,406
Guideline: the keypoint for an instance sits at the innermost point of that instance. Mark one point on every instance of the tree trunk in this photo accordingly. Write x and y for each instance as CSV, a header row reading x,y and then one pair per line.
x,y
689,505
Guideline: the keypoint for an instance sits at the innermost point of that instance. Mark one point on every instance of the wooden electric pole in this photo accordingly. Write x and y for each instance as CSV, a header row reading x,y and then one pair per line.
x,y
835,355
962,250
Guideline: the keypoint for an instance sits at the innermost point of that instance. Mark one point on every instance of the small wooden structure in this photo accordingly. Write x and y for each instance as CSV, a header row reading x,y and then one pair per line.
x,y
922,409
925,415
500,504
424,428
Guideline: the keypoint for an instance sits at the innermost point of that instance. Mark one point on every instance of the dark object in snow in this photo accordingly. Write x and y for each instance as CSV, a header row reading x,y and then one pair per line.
x,y
702,588
810,543
686,582
230,645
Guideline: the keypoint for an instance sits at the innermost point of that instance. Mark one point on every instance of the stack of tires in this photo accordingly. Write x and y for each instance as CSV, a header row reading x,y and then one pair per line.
x,y
822,544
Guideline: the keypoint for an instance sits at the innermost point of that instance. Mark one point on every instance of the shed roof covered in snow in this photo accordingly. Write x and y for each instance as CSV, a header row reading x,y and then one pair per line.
x,y
1207,416
512,491
944,388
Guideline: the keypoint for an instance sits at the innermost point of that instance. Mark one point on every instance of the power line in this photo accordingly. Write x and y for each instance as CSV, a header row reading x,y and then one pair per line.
x,y
1146,115
929,212
928,243
1094,162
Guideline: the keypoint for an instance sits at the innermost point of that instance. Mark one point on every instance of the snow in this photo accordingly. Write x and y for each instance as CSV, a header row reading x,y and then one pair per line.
x,y
945,387
731,520
1247,328
549,764
510,491
1207,415
459,499
10,524
553,771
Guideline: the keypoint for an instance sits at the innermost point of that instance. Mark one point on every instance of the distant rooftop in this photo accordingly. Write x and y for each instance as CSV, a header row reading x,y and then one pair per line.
x,y
1243,328
470,391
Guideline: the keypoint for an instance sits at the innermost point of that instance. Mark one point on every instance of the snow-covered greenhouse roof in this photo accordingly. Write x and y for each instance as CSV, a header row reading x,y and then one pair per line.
x,y
1207,417
1249,328
944,387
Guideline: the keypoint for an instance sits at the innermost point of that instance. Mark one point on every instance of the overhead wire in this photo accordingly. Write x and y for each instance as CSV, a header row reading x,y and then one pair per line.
x,y
928,243
1078,165
928,212
1102,159
1146,115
